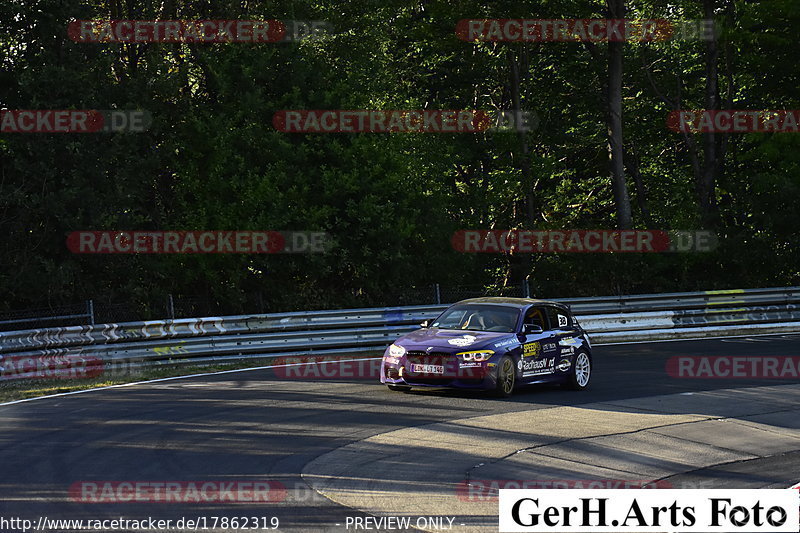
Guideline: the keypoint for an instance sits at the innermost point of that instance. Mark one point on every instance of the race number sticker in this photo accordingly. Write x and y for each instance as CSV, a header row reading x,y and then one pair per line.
x,y
562,321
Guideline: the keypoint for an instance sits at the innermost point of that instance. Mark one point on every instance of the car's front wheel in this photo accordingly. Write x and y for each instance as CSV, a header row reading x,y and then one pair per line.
x,y
581,372
506,377
399,388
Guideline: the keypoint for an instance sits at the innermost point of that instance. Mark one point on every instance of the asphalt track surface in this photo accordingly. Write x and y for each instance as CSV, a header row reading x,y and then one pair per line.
x,y
252,426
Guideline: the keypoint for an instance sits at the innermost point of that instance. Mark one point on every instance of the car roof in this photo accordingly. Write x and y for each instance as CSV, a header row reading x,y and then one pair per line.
x,y
519,303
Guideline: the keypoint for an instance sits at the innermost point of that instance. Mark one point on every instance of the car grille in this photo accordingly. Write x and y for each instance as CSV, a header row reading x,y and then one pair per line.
x,y
448,361
425,358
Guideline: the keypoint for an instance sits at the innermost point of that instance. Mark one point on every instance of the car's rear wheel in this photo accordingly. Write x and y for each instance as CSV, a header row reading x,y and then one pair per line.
x,y
581,372
506,377
399,388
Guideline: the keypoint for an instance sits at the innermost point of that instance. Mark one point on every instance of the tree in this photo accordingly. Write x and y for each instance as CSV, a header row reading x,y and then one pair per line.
x,y
616,151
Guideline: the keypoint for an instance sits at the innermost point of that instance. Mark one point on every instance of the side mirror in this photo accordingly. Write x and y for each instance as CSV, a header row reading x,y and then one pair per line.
x,y
531,329
424,324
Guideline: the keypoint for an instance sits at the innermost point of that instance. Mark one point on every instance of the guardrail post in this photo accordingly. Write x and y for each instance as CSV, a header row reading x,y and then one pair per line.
x,y
526,288
90,311
438,293
170,307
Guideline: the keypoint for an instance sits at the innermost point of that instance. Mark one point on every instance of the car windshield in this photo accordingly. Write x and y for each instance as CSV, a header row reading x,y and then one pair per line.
x,y
479,318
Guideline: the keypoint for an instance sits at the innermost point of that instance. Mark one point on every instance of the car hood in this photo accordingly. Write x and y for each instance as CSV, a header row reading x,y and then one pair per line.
x,y
450,340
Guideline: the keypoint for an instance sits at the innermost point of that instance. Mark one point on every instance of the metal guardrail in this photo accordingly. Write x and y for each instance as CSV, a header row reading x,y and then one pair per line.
x,y
352,331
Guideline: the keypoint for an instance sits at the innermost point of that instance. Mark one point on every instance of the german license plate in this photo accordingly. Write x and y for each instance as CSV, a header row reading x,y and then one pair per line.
x,y
428,369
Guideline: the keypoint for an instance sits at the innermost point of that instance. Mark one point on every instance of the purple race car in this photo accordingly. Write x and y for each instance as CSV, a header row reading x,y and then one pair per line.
x,y
494,344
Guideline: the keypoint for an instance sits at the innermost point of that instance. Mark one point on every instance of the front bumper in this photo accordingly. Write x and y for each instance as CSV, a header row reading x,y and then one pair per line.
x,y
456,375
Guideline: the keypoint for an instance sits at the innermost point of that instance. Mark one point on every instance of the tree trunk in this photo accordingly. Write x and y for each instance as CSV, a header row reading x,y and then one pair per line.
x,y
632,165
519,68
705,182
521,265
616,156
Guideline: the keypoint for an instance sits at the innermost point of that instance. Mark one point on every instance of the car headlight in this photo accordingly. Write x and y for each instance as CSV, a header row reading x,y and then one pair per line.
x,y
396,351
480,355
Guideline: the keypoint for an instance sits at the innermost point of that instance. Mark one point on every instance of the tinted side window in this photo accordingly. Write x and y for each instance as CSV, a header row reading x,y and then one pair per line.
x,y
536,316
558,319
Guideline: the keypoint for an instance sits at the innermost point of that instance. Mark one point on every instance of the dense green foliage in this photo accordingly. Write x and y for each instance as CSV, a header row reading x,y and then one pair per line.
x,y
212,159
